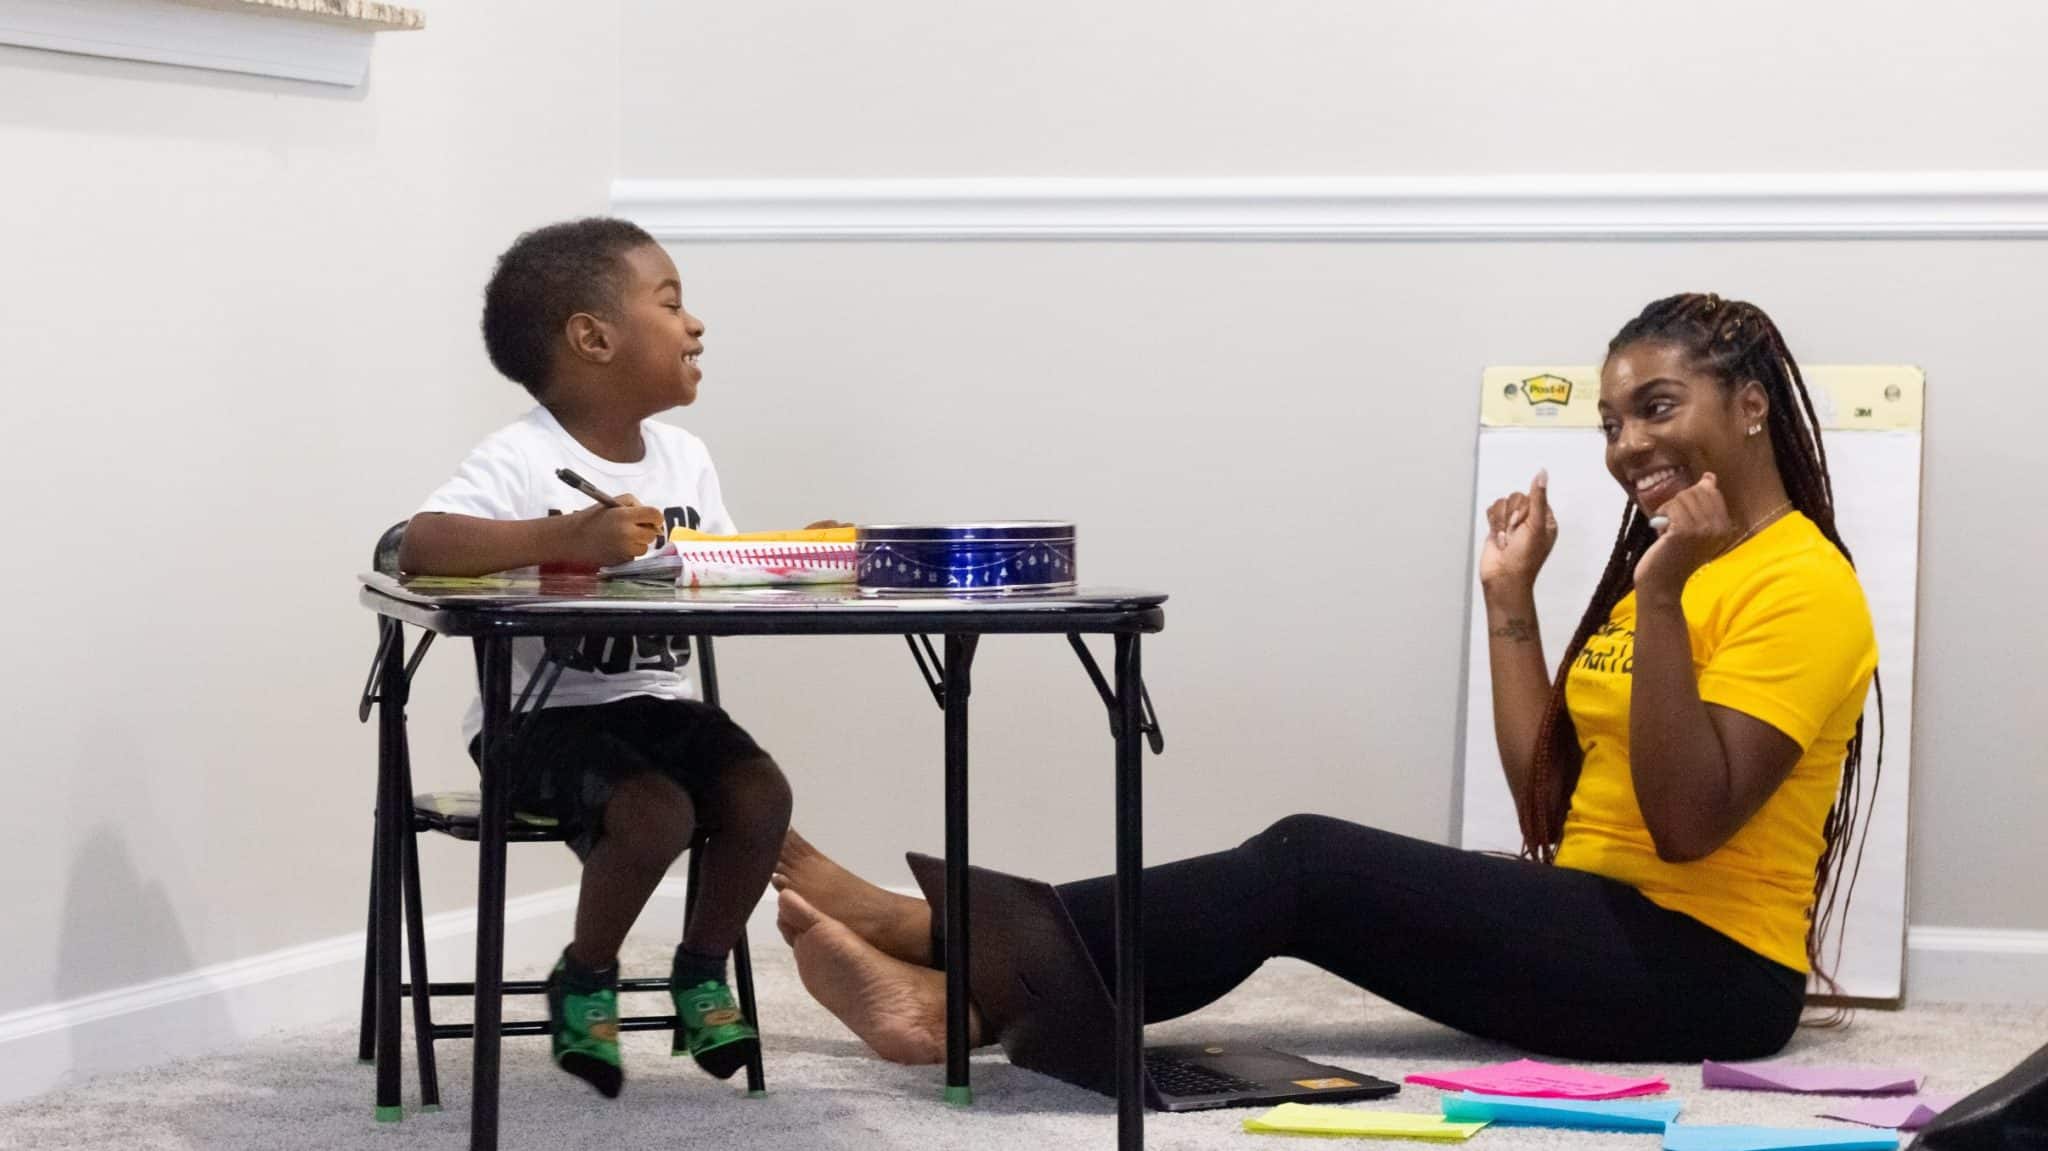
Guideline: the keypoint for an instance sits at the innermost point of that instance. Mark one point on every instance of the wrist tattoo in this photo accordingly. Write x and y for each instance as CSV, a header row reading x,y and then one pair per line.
x,y
1516,630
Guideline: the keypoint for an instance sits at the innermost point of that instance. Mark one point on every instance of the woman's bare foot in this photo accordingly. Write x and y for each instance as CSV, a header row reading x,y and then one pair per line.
x,y
896,1008
897,924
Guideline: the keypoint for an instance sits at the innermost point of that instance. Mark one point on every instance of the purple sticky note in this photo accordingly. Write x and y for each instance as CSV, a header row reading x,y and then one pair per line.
x,y
1530,1079
1841,1079
1907,1114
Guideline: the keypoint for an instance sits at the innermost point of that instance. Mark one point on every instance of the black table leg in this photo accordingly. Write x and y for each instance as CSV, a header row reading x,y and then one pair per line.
x,y
959,662
416,960
1130,864
392,805
490,896
366,1034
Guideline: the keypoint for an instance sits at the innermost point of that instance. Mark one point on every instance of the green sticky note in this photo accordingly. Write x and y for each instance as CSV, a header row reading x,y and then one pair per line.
x,y
1311,1119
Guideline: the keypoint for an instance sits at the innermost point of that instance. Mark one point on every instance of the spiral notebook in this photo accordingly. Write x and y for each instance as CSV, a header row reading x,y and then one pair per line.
x,y
754,559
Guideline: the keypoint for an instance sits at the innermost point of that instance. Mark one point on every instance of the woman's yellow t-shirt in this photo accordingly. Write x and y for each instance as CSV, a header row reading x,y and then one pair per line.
x,y
1780,631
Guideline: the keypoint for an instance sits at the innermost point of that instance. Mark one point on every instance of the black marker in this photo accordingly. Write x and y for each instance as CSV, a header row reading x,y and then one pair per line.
x,y
584,486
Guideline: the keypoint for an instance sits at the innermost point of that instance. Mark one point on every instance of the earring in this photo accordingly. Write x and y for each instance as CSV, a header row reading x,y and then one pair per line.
x,y
1755,428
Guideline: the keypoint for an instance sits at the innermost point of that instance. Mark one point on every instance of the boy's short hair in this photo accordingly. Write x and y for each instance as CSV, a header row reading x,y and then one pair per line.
x,y
546,276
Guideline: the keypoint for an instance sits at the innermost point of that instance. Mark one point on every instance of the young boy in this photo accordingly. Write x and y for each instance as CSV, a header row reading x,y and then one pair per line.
x,y
588,316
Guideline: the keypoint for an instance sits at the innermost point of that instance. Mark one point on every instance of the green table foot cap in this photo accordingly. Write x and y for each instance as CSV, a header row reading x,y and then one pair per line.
x,y
370,1062
390,1114
959,1096
430,1109
762,1094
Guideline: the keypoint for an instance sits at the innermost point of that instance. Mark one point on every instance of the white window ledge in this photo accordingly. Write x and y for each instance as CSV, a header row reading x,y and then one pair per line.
x,y
324,41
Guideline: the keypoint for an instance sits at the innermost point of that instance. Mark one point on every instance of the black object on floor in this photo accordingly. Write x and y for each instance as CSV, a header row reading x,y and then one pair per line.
x,y
2010,1114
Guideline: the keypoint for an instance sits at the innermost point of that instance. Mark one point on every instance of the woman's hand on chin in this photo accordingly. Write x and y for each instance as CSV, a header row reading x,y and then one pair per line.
x,y
1696,528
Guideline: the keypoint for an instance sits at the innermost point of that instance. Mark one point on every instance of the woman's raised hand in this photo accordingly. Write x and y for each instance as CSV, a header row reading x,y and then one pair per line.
x,y
1520,529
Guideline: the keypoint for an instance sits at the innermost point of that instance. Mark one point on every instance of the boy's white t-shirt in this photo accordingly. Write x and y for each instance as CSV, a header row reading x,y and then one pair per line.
x,y
511,476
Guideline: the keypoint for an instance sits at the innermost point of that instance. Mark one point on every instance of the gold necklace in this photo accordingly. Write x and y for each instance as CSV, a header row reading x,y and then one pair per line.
x,y
1764,521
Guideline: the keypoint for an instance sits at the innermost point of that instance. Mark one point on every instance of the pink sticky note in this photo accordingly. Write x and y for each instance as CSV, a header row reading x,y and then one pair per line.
x,y
1841,1079
1907,1114
1526,1077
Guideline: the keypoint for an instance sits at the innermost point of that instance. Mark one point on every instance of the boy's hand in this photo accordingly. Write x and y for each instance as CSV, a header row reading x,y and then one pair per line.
x,y
600,536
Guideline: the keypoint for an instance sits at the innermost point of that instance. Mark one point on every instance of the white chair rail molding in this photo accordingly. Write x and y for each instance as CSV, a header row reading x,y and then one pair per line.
x,y
1628,206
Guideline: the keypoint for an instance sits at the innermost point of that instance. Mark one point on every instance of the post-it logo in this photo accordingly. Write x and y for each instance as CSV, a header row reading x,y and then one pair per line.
x,y
1547,389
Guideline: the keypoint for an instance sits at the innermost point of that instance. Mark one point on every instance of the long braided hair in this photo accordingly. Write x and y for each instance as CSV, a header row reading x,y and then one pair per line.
x,y
1736,342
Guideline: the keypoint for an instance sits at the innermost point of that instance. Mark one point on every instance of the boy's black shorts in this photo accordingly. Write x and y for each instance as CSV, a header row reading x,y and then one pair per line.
x,y
565,760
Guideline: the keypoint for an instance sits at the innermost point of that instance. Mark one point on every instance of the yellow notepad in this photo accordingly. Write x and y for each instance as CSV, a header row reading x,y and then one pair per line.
x,y
809,535
1312,1119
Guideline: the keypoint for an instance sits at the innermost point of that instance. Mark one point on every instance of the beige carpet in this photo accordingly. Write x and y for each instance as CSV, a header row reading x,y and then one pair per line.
x,y
305,1089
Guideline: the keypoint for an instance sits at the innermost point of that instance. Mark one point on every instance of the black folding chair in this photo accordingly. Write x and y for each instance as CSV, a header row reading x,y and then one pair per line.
x,y
456,814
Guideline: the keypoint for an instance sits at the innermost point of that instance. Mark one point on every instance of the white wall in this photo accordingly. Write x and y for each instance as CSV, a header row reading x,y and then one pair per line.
x,y
1281,436
1314,400
1327,87
238,334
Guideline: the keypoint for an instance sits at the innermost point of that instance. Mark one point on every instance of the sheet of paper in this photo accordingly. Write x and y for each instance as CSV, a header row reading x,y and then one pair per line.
x,y
1314,1119
1833,1079
1687,1137
1581,1114
1909,1113
1542,1081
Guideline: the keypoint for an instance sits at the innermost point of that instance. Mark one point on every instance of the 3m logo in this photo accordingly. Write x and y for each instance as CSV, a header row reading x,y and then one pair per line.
x,y
1547,389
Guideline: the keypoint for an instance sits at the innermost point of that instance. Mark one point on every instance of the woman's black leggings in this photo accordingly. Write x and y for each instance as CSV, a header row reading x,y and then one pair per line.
x,y
1551,960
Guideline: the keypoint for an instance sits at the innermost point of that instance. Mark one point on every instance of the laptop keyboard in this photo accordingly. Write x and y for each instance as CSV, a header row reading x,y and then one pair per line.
x,y
1173,1077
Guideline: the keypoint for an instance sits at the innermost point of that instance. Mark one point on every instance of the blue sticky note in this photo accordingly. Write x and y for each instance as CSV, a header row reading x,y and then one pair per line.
x,y
1688,1137
1580,1114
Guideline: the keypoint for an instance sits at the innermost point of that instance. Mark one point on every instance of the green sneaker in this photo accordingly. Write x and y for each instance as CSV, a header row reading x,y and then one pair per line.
x,y
711,1028
583,1024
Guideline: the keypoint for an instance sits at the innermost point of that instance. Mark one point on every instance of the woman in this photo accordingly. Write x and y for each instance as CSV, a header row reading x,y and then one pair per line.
x,y
1685,782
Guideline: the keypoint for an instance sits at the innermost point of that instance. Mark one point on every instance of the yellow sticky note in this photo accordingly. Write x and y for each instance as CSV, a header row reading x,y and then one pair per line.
x,y
807,535
1310,1119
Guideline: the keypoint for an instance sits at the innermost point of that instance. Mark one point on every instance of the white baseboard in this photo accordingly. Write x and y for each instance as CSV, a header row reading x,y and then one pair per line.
x,y
46,1047
1976,965
1486,206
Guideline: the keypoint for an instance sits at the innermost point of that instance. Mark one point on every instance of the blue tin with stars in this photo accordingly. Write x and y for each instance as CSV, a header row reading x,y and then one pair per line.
x,y
1002,558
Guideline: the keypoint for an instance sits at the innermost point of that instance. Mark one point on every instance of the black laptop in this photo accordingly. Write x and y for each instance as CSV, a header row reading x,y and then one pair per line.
x,y
1040,994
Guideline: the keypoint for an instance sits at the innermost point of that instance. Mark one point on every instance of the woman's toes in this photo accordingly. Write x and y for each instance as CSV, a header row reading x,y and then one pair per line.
x,y
794,915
